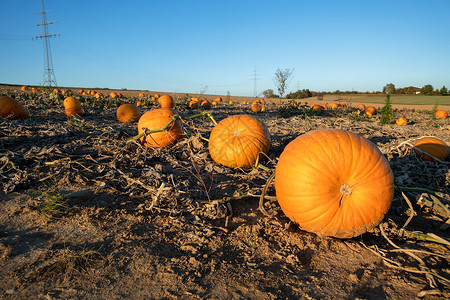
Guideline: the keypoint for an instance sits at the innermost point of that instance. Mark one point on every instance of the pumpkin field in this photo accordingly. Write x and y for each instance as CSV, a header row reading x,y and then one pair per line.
x,y
108,194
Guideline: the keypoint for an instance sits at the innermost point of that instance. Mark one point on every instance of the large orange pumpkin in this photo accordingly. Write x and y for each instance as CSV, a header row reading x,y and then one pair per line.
x,y
73,107
11,109
237,141
128,113
441,114
433,146
166,101
334,182
156,119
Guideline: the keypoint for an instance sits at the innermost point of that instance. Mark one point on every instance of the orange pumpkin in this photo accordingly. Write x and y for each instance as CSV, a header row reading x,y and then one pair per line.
x,y
368,114
230,102
441,114
128,113
206,104
218,99
256,107
334,105
141,95
157,119
362,107
263,108
432,146
56,91
370,109
401,121
11,109
334,182
256,101
98,95
193,104
24,88
342,105
73,107
238,141
324,106
119,95
139,103
214,103
93,93
316,107
166,101
156,96
113,95
33,90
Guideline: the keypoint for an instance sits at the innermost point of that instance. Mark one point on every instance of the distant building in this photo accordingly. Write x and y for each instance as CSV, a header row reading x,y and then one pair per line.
x,y
416,89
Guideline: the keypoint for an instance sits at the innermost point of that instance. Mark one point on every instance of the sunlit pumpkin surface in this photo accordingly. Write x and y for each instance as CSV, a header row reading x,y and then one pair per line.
x,y
334,182
156,119
433,146
238,141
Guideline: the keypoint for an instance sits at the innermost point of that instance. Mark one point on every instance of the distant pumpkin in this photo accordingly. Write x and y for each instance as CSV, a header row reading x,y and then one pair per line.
x,y
73,107
401,121
256,107
11,109
206,104
441,114
334,105
362,107
370,109
24,88
113,95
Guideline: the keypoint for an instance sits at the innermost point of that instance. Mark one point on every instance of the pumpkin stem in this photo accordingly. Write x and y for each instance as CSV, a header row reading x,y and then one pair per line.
x,y
236,133
152,131
346,190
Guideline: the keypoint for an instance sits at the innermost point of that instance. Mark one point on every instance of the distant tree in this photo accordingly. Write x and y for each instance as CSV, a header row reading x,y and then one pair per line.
x,y
281,80
443,90
269,94
389,88
427,90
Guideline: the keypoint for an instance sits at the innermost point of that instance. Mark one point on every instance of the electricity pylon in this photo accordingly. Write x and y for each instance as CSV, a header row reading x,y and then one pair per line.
x,y
255,78
49,73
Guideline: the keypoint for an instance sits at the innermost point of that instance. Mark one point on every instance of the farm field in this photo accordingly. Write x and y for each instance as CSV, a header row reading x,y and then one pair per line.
x,y
84,214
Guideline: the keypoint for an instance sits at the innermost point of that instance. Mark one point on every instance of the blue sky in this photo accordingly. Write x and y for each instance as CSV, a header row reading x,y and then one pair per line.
x,y
216,46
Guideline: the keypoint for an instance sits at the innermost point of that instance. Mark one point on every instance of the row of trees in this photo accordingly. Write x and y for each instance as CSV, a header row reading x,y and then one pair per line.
x,y
282,79
425,90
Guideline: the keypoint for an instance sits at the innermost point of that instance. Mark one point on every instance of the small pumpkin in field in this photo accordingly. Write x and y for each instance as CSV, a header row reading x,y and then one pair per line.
x,y
370,109
156,96
368,114
11,109
401,121
324,106
214,103
238,141
33,90
433,146
334,182
156,119
205,104
256,107
362,107
24,88
263,108
334,105
441,114
139,103
73,107
316,107
113,95
128,113
218,99
193,104
141,95
56,91
166,101
230,102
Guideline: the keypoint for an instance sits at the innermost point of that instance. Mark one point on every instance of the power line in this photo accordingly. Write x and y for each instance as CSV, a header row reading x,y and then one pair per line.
x,y
255,78
49,73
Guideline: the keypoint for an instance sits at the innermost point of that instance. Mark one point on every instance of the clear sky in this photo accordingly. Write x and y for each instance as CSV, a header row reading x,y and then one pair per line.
x,y
216,46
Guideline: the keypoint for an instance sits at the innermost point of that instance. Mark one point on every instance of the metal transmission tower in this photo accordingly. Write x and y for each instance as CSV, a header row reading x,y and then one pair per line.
x,y
255,78
49,73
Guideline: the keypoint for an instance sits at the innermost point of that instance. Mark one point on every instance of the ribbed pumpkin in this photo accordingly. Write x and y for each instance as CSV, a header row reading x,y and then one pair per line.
x,y
166,101
401,121
128,113
334,182
237,141
433,146
73,107
156,119
11,109
441,114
